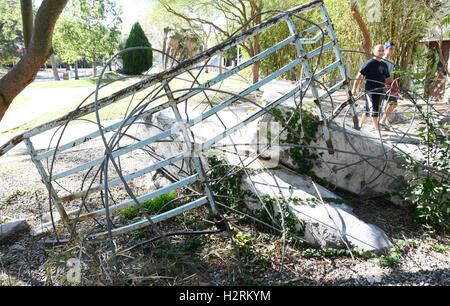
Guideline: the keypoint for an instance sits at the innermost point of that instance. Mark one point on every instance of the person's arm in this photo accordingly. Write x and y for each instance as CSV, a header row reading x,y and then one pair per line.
x,y
395,89
356,84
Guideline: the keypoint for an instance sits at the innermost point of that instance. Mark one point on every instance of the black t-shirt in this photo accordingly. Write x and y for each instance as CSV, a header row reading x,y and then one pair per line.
x,y
376,73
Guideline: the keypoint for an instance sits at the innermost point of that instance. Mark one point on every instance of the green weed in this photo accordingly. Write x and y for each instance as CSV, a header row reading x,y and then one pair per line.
x,y
153,206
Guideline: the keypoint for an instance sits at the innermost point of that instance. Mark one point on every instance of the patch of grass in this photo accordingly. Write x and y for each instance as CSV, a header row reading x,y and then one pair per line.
x,y
117,109
42,119
82,82
328,252
193,244
153,206
255,256
439,247
395,252
19,102
113,111
30,192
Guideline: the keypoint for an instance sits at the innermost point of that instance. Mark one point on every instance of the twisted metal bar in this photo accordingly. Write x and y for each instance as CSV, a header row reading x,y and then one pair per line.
x,y
153,102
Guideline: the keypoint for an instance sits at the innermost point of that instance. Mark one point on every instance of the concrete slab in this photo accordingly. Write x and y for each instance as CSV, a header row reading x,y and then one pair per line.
x,y
327,225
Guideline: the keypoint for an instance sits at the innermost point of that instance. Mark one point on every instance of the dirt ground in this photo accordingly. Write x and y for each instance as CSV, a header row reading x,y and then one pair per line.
x,y
208,259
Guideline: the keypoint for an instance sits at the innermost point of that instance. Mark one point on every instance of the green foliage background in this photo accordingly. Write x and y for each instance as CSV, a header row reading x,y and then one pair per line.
x,y
10,26
87,29
403,22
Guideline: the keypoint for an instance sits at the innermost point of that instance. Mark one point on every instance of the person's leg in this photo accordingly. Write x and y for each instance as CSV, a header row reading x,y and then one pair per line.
x,y
375,108
364,118
383,118
392,105
367,112
389,110
375,122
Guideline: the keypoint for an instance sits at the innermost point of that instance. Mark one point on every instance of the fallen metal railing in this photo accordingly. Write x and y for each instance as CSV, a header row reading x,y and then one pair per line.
x,y
323,32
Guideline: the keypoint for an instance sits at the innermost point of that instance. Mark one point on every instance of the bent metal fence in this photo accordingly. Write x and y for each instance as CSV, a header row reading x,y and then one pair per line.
x,y
160,93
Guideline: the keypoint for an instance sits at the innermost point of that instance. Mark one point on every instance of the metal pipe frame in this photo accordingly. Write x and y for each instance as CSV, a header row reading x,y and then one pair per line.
x,y
183,126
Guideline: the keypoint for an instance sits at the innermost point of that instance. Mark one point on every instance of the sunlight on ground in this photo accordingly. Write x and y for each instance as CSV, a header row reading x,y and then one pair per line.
x,y
62,97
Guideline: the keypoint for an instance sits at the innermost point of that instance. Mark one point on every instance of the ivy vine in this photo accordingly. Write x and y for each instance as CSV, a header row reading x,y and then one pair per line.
x,y
302,130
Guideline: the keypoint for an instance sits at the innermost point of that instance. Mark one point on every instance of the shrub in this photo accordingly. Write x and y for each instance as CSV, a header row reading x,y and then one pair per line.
x,y
427,191
138,61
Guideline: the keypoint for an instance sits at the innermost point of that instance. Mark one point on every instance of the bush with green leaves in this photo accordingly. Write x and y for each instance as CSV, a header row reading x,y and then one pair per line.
x,y
428,187
225,180
137,61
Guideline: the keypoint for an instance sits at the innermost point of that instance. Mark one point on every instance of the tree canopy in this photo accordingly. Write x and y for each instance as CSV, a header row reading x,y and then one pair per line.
x,y
10,27
220,16
88,29
401,21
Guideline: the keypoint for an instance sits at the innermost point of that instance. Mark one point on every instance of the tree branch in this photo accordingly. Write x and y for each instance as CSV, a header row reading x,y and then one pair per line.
x,y
189,20
38,51
26,7
362,26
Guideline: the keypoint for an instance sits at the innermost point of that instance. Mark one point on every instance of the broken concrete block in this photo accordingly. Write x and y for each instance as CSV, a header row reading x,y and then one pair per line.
x,y
327,225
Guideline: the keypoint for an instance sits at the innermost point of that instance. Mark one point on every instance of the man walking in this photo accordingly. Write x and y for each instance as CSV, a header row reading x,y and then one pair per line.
x,y
376,73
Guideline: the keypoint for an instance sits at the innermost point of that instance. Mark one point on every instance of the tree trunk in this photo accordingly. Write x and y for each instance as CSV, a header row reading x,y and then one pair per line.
x,y
40,48
256,9
409,61
75,65
166,58
54,67
255,72
255,68
163,55
94,65
362,26
205,47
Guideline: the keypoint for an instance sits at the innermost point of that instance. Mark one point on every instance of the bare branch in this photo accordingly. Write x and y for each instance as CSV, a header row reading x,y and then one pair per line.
x,y
190,20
